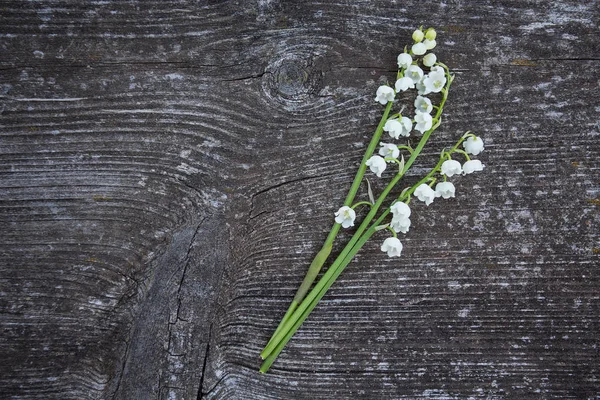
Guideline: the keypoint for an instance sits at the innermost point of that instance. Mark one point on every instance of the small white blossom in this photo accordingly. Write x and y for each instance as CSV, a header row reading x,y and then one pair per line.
x,y
389,150
451,168
404,60
396,128
429,60
419,49
400,224
392,247
415,73
376,164
473,145
400,210
418,35
429,44
423,104
445,190
434,82
404,84
345,216
385,94
424,122
472,166
425,193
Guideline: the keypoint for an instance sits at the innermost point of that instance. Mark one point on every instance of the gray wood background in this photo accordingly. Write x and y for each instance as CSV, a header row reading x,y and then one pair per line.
x,y
169,168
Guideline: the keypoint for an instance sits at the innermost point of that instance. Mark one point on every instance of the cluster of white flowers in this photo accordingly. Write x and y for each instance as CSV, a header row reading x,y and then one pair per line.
x,y
412,76
473,145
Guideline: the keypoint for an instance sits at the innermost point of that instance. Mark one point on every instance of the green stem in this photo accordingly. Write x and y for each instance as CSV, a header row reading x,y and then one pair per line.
x,y
323,254
315,267
360,203
313,303
302,307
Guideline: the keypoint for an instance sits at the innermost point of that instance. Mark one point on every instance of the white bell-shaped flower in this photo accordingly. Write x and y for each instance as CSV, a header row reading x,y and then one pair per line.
x,y
404,84
434,82
451,168
429,60
396,128
392,247
400,224
389,150
429,44
472,166
400,210
404,60
419,49
473,145
415,73
385,94
345,216
423,104
424,122
377,165
425,193
445,190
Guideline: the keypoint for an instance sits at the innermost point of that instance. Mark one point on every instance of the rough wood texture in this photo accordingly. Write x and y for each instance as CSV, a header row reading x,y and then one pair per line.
x,y
169,168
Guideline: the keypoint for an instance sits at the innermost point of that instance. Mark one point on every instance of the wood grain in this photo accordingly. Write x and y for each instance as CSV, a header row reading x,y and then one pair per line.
x,y
169,169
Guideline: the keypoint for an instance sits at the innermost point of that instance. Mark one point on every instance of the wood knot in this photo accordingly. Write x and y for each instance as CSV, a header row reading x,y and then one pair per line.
x,y
293,80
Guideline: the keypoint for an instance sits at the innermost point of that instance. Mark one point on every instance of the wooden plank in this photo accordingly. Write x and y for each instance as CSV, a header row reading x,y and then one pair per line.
x,y
168,170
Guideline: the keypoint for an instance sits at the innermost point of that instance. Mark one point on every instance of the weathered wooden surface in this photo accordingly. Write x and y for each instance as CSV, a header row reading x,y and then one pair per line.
x,y
168,169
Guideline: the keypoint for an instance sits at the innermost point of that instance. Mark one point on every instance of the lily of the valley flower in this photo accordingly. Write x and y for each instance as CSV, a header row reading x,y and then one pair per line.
x,y
419,49
473,145
400,210
389,150
451,168
415,73
400,220
429,44
425,193
376,164
404,60
445,190
392,247
345,216
404,84
472,166
429,60
423,104
396,128
424,122
435,80
385,94
400,224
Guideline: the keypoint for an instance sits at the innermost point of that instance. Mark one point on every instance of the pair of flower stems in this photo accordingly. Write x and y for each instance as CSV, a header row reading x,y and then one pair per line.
x,y
305,301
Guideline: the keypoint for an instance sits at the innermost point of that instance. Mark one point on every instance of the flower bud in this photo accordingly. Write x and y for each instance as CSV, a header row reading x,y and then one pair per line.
x,y
431,34
429,60
418,36
419,49
429,44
